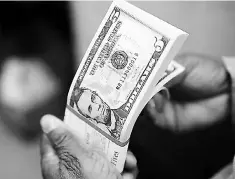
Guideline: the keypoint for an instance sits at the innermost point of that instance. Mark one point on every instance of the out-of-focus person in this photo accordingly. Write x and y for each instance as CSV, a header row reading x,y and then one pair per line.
x,y
36,63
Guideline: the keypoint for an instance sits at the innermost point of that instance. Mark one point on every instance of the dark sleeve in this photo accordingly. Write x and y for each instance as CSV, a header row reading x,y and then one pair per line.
x,y
199,154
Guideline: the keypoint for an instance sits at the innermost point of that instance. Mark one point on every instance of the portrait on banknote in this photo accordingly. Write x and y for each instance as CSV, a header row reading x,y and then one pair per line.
x,y
114,73
90,105
121,70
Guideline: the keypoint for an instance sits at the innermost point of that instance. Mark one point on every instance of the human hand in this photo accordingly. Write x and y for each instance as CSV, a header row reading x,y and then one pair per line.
x,y
130,169
199,96
63,156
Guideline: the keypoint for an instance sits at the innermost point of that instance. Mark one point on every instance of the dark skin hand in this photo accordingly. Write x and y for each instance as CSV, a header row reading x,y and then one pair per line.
x,y
63,156
199,96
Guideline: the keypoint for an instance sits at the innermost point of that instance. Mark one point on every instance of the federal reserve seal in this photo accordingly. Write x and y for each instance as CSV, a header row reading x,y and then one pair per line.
x,y
119,59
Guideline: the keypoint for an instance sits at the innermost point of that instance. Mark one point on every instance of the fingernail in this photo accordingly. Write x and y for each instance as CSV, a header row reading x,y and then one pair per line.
x,y
151,107
128,176
49,123
165,93
158,101
151,103
131,160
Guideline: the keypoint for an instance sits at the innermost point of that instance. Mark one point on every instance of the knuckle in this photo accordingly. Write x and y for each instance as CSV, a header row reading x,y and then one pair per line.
x,y
60,138
70,164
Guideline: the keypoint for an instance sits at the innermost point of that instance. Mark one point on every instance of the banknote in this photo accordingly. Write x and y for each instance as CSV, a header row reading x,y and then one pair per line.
x,y
127,56
172,71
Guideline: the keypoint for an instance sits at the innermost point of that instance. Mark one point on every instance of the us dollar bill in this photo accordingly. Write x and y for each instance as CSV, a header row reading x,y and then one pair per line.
x,y
125,59
172,71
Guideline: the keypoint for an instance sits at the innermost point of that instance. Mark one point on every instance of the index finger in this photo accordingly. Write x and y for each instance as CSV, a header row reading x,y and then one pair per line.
x,y
204,76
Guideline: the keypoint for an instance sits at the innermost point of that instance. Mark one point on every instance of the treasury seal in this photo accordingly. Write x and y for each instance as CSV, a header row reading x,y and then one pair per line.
x,y
119,59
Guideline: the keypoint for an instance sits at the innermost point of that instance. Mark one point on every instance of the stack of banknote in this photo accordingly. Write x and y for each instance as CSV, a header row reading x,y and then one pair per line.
x,y
127,62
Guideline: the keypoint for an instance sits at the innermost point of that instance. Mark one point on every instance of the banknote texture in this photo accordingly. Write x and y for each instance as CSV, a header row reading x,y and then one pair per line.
x,y
114,73
116,78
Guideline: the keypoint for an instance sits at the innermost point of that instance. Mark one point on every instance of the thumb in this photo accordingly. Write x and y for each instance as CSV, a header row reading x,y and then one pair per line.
x,y
74,158
155,107
61,153
49,159
60,137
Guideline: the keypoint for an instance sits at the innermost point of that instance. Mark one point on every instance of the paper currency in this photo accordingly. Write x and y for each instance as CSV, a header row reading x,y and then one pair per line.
x,y
117,76
173,70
